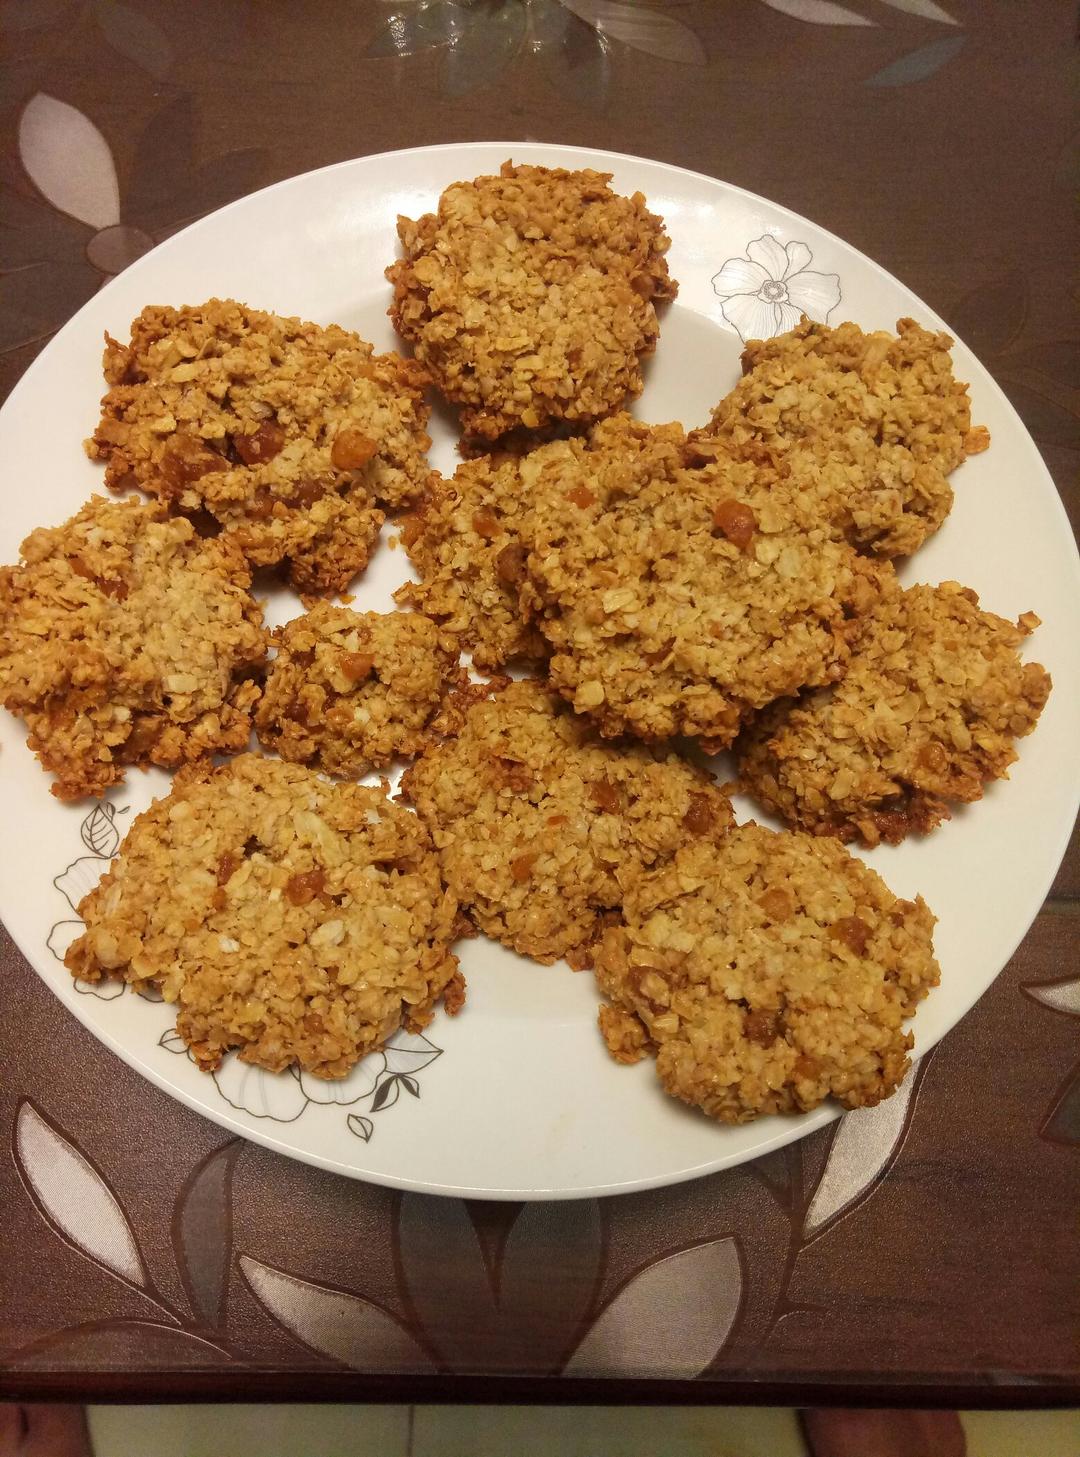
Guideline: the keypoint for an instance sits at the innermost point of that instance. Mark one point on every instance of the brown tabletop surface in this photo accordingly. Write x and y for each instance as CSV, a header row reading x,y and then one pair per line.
x,y
933,1261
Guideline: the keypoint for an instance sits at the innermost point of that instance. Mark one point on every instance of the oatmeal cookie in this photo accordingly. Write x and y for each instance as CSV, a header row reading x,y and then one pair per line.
x,y
125,638
870,425
766,972
929,709
295,920
541,826
678,589
462,539
284,432
530,297
351,691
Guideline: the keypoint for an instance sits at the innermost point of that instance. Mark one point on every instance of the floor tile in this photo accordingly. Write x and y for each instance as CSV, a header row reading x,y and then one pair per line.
x,y
522,1431
269,1431
1020,1433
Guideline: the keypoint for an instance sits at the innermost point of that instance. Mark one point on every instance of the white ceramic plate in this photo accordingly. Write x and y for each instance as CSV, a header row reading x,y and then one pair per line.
x,y
516,1098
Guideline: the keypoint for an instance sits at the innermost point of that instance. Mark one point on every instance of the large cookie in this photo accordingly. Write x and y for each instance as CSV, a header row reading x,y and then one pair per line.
x,y
680,590
286,433
125,638
766,972
541,826
929,709
296,921
529,297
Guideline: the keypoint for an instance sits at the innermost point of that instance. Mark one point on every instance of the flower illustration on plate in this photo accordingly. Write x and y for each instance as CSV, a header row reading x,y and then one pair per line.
x,y
284,1096
101,837
768,291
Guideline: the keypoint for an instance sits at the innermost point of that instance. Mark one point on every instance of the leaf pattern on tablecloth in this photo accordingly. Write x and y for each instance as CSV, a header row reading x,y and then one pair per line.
x,y
118,1345
1059,996
69,161
347,1328
818,12
134,35
864,1145
917,65
539,1334
1062,1122
642,28
671,1320
74,1198
202,1233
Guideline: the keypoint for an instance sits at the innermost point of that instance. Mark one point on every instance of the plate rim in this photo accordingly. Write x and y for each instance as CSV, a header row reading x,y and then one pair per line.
x,y
801,1125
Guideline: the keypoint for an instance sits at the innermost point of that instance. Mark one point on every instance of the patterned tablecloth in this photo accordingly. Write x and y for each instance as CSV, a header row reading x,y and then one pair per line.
x,y
925,1251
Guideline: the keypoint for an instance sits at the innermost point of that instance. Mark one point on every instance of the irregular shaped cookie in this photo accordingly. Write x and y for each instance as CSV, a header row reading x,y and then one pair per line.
x,y
929,709
680,590
530,297
541,827
351,691
125,638
870,425
286,433
297,921
463,541
767,972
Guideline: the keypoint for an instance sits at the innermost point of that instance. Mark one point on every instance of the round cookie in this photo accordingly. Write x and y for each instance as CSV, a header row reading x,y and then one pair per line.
x,y
870,425
541,827
462,539
297,921
529,297
285,433
680,590
929,709
351,691
766,972
125,638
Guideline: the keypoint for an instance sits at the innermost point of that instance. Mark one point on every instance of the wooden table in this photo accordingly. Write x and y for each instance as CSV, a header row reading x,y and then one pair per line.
x,y
934,1263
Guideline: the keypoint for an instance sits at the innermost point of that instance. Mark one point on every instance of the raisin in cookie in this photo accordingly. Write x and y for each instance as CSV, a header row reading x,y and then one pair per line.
x,y
530,297
929,709
766,972
541,826
679,590
351,691
297,921
285,433
125,638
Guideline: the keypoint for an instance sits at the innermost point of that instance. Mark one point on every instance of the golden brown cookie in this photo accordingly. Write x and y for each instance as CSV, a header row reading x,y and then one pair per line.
x,y
530,297
292,919
680,590
351,691
541,826
286,433
767,972
869,425
929,709
125,638
462,540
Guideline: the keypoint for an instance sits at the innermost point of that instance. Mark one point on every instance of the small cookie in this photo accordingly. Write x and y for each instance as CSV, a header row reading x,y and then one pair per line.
x,y
680,590
929,710
286,433
297,921
462,539
767,972
870,425
529,297
125,638
351,691
541,827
